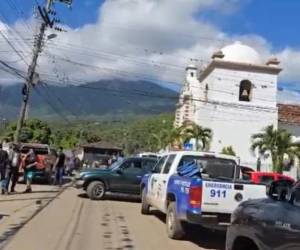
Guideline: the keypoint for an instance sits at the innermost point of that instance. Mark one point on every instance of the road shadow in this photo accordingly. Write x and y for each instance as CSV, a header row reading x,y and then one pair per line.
x,y
3,215
27,199
45,182
116,197
203,237
10,232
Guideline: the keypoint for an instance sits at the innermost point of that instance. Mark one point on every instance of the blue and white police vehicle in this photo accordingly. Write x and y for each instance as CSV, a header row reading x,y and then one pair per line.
x,y
196,187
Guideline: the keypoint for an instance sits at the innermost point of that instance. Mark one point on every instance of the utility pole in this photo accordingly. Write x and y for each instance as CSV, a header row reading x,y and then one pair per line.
x,y
32,76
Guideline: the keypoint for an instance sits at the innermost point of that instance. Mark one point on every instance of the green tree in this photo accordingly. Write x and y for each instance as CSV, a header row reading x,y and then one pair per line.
x,y
277,143
175,137
34,130
66,138
200,134
228,151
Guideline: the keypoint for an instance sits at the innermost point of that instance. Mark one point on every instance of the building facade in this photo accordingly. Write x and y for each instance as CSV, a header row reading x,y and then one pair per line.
x,y
235,96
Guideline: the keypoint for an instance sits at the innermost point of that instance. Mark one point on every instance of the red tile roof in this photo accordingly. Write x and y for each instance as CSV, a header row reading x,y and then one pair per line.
x,y
289,113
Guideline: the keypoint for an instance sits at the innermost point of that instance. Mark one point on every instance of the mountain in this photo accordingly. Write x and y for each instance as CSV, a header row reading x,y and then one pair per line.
x,y
95,99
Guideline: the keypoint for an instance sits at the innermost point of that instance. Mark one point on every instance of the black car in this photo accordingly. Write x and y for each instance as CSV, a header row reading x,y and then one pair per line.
x,y
121,177
267,224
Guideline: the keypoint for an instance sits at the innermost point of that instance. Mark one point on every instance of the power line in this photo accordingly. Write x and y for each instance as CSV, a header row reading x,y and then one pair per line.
x,y
226,104
56,110
32,76
10,29
16,71
138,92
13,47
46,86
126,73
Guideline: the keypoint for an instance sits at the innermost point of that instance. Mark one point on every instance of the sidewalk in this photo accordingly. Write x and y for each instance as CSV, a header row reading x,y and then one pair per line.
x,y
16,209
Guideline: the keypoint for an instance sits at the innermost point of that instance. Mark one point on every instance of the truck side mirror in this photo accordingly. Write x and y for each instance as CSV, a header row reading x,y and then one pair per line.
x,y
279,190
295,197
153,170
119,171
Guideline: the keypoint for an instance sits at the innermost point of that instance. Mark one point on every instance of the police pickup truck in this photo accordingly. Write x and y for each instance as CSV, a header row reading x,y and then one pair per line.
x,y
208,198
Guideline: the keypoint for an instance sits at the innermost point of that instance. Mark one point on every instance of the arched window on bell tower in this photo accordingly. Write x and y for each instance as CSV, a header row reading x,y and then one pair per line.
x,y
245,91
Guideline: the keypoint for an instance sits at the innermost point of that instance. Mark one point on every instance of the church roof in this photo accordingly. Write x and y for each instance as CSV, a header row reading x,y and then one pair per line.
x,y
238,52
237,66
289,114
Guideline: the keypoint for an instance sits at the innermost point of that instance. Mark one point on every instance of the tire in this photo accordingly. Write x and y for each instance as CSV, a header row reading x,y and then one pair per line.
x,y
145,209
175,227
96,190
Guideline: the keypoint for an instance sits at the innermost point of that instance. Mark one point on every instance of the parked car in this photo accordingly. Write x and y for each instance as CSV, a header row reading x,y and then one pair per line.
x,y
272,223
121,177
46,158
207,199
265,177
149,155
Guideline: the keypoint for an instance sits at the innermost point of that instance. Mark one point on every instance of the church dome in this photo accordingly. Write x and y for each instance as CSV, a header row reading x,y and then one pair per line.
x,y
191,66
242,53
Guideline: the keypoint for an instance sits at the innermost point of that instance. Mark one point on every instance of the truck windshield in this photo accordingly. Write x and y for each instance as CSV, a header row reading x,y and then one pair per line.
x,y
213,167
115,165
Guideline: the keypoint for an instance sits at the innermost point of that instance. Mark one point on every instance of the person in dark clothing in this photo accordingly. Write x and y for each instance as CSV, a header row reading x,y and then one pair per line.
x,y
13,167
30,167
3,168
59,167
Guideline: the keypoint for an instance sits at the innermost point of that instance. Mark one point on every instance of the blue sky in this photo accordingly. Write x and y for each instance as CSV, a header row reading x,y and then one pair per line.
x,y
82,12
275,20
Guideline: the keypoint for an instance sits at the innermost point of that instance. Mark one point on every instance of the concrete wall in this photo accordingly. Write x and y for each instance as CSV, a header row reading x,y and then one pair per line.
x,y
234,122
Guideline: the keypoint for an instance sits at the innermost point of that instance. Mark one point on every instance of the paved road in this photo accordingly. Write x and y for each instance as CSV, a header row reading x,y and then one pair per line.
x,y
16,209
73,222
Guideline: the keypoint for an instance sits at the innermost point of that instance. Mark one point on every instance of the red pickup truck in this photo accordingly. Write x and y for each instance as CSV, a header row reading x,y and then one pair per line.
x,y
45,161
264,177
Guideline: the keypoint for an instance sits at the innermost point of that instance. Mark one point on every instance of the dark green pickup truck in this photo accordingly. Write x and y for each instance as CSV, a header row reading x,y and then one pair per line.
x,y
121,177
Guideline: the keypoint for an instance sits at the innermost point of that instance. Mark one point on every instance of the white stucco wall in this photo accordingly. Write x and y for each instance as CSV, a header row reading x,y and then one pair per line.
x,y
234,122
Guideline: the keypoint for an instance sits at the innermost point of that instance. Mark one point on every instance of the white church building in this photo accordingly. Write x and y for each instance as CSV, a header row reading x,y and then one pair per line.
x,y
235,96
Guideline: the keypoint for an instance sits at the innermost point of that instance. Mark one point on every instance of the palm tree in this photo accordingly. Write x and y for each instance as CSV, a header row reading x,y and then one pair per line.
x,y
228,151
175,137
278,143
200,134
168,137
158,141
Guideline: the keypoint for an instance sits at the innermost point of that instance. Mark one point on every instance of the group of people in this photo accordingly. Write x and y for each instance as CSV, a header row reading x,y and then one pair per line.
x,y
11,161
9,168
103,162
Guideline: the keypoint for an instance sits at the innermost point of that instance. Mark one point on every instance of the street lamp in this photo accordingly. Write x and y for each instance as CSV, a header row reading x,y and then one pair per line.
x,y
51,36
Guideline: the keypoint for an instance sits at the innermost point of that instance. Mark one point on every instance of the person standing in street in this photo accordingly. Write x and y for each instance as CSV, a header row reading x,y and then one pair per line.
x,y
3,169
70,164
30,167
13,167
59,167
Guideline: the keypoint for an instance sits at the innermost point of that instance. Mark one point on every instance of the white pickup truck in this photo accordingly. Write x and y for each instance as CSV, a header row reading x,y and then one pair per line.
x,y
208,199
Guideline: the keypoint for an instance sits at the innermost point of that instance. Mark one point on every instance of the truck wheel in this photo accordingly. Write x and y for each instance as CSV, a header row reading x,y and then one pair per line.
x,y
145,206
96,190
174,225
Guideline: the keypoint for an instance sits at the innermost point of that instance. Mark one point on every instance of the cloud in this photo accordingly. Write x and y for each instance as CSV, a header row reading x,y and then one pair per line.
x,y
141,39
290,60
286,96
